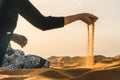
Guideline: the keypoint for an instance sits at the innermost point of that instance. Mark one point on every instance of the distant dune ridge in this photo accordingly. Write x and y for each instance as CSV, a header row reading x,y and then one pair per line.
x,y
66,61
69,68
77,61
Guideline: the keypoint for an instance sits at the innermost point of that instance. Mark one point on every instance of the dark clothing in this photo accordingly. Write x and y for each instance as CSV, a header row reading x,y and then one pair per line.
x,y
9,10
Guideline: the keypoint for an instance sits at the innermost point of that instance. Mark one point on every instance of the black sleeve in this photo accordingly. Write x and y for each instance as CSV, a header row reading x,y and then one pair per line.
x,y
31,14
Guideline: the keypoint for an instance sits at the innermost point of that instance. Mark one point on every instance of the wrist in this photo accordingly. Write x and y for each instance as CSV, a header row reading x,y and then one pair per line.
x,y
14,36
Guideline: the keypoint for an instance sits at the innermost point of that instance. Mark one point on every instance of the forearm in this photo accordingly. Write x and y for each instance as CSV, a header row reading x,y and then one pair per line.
x,y
70,19
14,37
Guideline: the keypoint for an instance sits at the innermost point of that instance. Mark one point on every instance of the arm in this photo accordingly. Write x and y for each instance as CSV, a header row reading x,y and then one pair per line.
x,y
29,12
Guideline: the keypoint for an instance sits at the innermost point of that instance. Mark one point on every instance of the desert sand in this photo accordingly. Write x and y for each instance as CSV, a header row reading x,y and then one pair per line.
x,y
106,68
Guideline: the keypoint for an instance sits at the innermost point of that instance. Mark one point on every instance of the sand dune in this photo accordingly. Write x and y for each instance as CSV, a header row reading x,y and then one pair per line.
x,y
100,71
110,74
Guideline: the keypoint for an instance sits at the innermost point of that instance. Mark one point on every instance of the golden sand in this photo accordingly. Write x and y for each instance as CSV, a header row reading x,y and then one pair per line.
x,y
99,72
90,45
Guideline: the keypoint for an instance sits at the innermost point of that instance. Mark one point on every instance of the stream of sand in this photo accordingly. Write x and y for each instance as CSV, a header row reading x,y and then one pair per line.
x,y
90,45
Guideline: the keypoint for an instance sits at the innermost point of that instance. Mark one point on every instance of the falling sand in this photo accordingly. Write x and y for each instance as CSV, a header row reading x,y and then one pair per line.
x,y
90,46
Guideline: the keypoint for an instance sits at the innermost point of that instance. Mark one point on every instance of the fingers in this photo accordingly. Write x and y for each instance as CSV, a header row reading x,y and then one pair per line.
x,y
23,44
88,18
93,18
23,41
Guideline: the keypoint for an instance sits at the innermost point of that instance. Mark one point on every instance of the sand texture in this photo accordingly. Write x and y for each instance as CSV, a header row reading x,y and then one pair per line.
x,y
105,68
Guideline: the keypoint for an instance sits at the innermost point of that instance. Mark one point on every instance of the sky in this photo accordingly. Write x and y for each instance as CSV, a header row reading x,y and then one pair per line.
x,y
72,39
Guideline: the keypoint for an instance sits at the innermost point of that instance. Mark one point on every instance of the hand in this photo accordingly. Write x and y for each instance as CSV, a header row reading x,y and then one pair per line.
x,y
85,17
88,18
19,39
